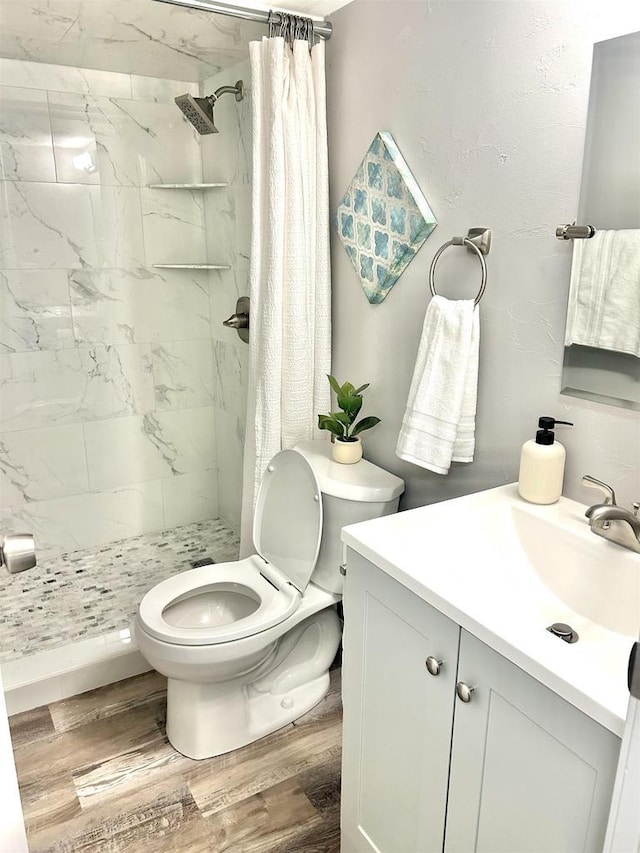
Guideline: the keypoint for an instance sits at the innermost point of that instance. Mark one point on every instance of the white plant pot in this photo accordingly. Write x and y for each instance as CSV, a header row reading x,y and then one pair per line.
x,y
347,452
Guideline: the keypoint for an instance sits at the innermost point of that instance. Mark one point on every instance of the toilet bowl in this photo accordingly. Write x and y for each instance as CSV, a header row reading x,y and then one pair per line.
x,y
247,645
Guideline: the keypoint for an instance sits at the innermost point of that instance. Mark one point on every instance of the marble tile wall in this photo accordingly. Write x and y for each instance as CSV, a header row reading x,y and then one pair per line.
x,y
132,36
226,156
112,387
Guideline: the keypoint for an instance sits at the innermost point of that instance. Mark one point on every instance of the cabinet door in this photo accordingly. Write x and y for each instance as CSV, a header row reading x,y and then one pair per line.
x,y
529,772
397,717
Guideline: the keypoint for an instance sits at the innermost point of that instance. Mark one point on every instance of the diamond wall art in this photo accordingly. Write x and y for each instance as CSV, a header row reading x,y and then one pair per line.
x,y
382,219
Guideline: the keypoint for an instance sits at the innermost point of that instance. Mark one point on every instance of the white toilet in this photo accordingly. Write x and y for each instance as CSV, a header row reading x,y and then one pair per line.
x,y
246,646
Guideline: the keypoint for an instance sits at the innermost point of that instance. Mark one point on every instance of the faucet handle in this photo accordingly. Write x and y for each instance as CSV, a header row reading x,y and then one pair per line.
x,y
605,488
636,508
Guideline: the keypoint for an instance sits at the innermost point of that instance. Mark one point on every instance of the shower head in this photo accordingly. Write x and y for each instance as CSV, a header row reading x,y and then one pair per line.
x,y
199,111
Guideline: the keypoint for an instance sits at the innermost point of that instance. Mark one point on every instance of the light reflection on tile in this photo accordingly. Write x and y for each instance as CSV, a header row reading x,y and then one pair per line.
x,y
113,141
26,152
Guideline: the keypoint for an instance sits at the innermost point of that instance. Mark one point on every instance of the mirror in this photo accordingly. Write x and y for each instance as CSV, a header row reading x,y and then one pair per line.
x,y
602,341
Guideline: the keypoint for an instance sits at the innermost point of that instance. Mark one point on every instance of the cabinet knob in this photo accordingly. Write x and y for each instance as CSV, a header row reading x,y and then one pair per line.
x,y
464,691
433,665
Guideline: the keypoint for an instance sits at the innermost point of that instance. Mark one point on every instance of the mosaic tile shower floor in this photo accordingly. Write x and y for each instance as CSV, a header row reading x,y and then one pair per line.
x,y
94,591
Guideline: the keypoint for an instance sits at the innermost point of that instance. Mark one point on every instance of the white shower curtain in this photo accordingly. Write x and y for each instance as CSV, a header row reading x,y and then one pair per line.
x,y
290,342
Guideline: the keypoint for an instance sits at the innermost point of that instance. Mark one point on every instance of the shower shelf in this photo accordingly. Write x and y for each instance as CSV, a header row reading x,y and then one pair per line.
x,y
186,186
191,266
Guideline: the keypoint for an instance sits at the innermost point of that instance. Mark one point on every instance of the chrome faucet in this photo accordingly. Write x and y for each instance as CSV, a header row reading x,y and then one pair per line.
x,y
611,521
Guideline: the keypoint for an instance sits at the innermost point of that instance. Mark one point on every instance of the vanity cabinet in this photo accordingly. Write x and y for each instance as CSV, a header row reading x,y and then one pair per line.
x,y
515,768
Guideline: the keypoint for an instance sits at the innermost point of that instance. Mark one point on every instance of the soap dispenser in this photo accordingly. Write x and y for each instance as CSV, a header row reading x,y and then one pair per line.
x,y
542,465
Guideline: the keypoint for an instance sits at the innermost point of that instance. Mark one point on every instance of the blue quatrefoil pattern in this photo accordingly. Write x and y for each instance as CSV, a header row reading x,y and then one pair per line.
x,y
382,219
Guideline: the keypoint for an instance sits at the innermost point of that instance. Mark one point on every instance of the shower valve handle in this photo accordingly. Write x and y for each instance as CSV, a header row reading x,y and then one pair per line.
x,y
237,321
240,320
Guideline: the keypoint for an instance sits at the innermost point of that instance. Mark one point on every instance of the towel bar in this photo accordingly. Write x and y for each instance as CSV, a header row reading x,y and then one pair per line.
x,y
478,240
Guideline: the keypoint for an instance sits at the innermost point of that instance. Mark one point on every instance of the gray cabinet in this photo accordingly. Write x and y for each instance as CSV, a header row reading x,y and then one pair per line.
x,y
397,717
514,769
529,772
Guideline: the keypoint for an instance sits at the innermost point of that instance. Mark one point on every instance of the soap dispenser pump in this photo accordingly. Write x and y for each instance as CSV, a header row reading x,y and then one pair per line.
x,y
542,465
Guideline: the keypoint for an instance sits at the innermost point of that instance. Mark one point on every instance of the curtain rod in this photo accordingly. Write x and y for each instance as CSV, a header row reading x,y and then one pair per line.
x,y
260,16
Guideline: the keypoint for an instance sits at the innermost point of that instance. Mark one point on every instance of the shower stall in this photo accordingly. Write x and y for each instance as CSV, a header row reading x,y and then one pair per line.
x,y
124,244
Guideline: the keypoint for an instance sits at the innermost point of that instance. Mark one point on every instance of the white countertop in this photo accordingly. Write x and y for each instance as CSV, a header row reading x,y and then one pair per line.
x,y
460,559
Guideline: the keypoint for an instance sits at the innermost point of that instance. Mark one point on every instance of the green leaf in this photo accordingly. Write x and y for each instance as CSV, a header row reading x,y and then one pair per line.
x,y
350,405
365,423
350,401
328,422
334,383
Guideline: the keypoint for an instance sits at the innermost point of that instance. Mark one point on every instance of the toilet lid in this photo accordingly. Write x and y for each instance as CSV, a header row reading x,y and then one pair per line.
x,y
287,525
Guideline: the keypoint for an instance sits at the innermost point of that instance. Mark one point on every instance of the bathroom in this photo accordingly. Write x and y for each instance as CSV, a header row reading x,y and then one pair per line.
x,y
487,102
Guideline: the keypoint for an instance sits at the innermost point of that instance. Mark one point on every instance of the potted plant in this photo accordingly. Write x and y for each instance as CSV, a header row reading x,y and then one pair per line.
x,y
347,447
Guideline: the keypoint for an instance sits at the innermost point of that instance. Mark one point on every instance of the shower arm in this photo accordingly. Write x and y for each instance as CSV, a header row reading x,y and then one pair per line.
x,y
225,90
237,90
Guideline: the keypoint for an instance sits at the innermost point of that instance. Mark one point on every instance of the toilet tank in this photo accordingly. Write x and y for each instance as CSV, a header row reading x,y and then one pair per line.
x,y
350,493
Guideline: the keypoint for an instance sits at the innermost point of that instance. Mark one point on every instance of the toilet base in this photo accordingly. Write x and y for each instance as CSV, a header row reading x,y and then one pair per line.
x,y
204,720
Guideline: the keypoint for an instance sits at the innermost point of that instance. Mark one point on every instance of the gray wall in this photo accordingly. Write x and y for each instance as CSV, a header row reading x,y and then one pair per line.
x,y
487,101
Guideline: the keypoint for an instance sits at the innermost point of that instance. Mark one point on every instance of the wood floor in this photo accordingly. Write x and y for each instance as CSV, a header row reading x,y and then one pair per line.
x,y
97,773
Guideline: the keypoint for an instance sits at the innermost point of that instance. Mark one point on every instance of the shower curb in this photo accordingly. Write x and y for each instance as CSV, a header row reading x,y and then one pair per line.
x,y
55,674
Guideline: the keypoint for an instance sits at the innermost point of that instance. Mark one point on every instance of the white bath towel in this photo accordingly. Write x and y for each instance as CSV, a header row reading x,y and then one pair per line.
x,y
604,295
440,419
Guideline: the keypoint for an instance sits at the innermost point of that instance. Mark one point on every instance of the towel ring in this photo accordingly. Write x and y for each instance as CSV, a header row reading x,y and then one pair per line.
x,y
460,241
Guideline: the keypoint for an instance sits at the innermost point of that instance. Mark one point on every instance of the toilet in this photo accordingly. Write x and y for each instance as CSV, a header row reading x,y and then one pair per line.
x,y
246,646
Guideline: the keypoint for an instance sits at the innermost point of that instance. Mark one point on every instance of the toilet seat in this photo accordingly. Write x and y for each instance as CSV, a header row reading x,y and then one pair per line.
x,y
274,597
199,607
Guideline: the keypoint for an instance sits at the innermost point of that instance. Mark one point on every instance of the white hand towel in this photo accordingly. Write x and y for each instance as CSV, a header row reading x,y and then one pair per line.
x,y
604,295
439,422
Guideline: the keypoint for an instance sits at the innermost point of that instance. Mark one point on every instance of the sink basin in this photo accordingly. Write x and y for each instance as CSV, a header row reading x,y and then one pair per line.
x,y
597,579
505,570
